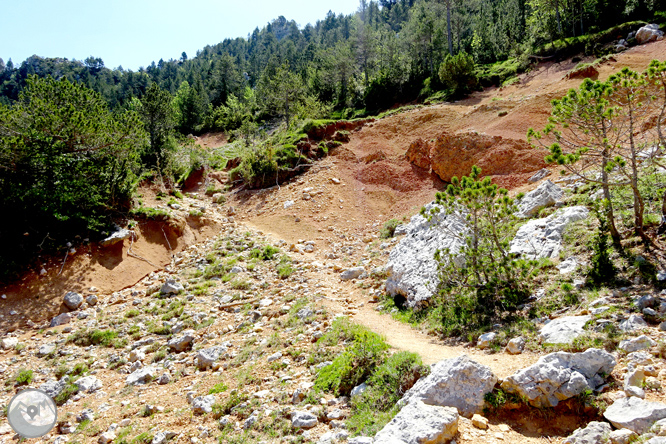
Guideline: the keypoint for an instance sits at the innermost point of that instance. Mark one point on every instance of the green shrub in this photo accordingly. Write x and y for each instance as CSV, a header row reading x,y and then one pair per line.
x,y
66,393
284,268
388,230
218,388
354,365
84,338
235,398
267,253
458,74
24,377
68,166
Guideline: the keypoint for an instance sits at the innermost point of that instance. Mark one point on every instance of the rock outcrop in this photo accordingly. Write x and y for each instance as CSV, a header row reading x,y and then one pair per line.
x,y
542,238
419,154
559,376
457,382
455,154
412,269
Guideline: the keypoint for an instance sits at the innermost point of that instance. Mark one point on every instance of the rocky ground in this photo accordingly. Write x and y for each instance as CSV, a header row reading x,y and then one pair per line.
x,y
205,327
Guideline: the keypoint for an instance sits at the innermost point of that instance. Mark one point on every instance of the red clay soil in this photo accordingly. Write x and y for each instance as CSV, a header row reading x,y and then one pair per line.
x,y
37,298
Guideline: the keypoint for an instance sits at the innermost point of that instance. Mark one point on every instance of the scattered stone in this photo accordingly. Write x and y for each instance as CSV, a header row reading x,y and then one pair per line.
x,y
352,273
53,388
141,376
358,390
635,414
559,376
541,174
485,340
622,436
9,343
564,330
361,440
542,238
106,438
183,342
208,357
73,300
164,379
633,323
595,433
85,415
419,423
171,287
303,420
635,344
457,382
91,300
274,357
88,384
480,422
136,355
545,195
118,236
516,346
568,265
288,204
203,404
412,270
46,350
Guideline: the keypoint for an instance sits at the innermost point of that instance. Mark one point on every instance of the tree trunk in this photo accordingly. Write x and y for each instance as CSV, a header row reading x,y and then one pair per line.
x,y
448,26
662,226
615,235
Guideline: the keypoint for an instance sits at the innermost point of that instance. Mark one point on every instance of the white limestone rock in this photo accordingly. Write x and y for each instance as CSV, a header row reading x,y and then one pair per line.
x,y
560,376
635,414
564,330
457,382
595,432
545,195
542,238
419,423
412,269
635,344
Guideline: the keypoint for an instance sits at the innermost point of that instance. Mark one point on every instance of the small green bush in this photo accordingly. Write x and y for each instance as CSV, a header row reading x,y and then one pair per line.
x,y
267,253
388,230
284,268
218,388
24,377
354,365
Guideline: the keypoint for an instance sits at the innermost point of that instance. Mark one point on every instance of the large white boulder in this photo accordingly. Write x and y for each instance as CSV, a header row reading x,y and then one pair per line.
x,y
635,414
419,423
649,33
559,376
457,382
412,269
542,238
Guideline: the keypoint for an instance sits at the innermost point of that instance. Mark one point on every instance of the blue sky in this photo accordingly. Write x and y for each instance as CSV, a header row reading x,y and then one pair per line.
x,y
133,33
